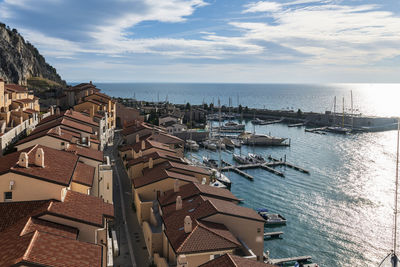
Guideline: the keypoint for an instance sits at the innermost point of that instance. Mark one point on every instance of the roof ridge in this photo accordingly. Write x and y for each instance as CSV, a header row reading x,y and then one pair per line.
x,y
210,230
232,260
188,237
29,249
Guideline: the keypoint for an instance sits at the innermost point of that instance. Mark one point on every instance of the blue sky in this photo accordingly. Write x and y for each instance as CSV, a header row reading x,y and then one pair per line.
x,y
284,41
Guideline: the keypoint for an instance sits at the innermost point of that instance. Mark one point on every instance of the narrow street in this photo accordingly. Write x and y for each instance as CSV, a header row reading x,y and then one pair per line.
x,y
133,251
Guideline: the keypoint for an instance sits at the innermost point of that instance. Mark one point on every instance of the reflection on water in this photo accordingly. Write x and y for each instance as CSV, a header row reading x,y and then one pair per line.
x,y
341,213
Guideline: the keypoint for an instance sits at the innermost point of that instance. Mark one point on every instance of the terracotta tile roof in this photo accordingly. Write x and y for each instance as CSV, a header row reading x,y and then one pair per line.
x,y
30,111
77,125
81,207
212,236
58,165
25,239
102,95
25,100
82,86
195,189
50,118
175,166
83,174
148,144
15,88
166,138
75,115
157,174
86,152
229,260
52,250
64,122
155,155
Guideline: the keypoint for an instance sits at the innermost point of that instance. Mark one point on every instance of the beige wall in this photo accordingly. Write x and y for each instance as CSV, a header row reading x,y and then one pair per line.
x,y
142,208
131,139
80,188
106,183
149,192
135,171
201,258
27,188
153,240
95,164
245,229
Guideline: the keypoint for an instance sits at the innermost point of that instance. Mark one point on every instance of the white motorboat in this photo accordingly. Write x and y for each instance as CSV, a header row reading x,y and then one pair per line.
x,y
228,143
192,145
257,158
212,163
240,159
261,139
210,145
222,178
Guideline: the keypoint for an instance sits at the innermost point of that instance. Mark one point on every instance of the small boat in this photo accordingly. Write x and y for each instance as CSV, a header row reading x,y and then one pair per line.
x,y
210,145
192,145
218,184
296,124
228,143
257,121
272,218
257,158
235,125
212,163
338,130
261,139
239,159
222,178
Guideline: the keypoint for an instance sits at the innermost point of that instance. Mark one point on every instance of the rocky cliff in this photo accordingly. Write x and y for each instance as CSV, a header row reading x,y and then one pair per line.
x,y
20,60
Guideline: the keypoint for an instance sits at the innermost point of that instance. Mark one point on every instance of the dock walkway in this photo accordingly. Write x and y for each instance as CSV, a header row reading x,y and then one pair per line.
x,y
273,234
292,259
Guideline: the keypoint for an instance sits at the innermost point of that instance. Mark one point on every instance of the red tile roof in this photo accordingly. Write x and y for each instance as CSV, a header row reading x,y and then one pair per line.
x,y
166,138
155,155
75,115
179,167
58,165
25,100
64,122
148,144
83,208
84,174
229,260
86,152
157,174
15,88
27,240
195,189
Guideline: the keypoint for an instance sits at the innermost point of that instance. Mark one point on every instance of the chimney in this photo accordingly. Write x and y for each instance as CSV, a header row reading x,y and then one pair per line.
x,y
204,180
176,186
92,111
182,261
143,145
23,160
66,146
51,110
39,157
137,138
58,130
178,203
187,224
140,154
58,111
90,82
151,163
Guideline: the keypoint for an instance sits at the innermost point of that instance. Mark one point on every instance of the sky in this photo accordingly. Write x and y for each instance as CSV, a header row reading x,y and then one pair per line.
x,y
227,41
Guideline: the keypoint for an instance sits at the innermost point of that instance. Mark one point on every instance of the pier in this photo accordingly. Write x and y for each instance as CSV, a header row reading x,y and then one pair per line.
x,y
273,234
292,259
268,166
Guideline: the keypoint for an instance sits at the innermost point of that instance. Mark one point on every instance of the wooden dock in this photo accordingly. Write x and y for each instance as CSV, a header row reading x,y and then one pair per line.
x,y
273,234
292,259
237,169
267,168
277,162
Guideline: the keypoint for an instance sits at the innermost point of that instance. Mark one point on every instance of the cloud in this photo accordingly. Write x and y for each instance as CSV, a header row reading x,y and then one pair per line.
x,y
262,6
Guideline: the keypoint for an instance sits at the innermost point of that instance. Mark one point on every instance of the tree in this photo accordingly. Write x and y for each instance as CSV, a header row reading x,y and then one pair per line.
x,y
299,113
240,109
187,106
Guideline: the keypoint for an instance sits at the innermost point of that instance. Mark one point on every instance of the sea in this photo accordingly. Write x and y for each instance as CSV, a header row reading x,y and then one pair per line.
x,y
341,214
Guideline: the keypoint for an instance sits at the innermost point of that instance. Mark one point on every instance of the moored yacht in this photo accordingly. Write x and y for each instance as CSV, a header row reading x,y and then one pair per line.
x,y
261,139
192,145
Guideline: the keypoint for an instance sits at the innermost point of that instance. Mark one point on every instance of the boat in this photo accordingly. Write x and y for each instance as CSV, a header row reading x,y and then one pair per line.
x,y
240,159
228,143
257,121
212,163
218,184
234,125
210,145
219,176
338,130
192,145
257,158
272,218
261,139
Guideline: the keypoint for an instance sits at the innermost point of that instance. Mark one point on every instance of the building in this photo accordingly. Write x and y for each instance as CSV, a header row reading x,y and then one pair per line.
x,y
143,147
75,93
173,128
164,119
229,260
40,172
127,114
193,224
70,231
19,113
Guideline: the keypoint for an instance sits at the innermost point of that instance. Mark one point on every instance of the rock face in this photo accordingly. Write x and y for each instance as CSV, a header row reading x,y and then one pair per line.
x,y
20,60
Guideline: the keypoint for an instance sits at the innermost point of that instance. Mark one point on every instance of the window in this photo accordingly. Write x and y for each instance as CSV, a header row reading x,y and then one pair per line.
x,y
258,230
7,196
108,186
63,143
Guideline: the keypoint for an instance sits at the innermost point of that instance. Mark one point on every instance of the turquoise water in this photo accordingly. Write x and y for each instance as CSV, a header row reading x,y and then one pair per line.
x,y
340,214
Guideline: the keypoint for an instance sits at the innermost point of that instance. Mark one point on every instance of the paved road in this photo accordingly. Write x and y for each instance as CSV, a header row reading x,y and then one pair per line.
x,y
133,251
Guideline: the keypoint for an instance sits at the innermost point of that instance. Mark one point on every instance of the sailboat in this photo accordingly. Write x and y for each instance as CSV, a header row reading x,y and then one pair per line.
x,y
339,129
392,260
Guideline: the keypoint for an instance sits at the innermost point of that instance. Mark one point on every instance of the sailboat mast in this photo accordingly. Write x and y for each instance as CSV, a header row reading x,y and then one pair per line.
x,y
343,115
219,135
334,111
397,185
352,114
